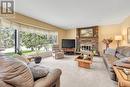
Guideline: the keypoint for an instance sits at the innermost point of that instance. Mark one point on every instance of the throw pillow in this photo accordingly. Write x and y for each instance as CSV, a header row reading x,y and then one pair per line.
x,y
38,71
15,72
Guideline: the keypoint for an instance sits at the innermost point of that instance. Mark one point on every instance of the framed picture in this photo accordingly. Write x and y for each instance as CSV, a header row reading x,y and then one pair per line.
x,y
86,32
128,35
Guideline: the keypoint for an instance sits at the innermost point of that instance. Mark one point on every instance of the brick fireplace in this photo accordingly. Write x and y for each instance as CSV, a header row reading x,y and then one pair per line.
x,y
88,42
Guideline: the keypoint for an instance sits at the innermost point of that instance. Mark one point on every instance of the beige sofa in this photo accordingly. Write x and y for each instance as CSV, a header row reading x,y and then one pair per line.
x,y
6,65
112,55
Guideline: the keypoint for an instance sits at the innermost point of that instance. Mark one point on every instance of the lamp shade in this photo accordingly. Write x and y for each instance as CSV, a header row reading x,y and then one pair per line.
x,y
118,37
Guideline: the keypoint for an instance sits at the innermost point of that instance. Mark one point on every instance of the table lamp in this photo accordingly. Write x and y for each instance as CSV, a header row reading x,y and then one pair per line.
x,y
118,38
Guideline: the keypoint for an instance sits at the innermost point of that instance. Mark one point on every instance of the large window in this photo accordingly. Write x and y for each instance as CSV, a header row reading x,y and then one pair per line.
x,y
37,41
7,40
20,38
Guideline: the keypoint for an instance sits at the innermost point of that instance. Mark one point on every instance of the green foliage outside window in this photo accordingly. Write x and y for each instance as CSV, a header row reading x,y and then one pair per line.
x,y
7,38
34,41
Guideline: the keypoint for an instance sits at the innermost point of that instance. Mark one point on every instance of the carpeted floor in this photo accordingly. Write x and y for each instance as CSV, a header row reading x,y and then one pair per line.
x,y
74,76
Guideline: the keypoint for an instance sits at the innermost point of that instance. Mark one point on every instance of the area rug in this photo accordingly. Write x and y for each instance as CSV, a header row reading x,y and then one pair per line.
x,y
74,76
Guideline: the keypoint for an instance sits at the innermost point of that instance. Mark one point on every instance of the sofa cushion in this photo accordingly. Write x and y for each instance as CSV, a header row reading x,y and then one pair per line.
x,y
120,56
122,61
109,59
126,52
15,72
119,63
110,51
126,60
38,71
121,49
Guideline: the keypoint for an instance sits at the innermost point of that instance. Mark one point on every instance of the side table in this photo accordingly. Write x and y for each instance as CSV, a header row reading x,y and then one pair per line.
x,y
122,82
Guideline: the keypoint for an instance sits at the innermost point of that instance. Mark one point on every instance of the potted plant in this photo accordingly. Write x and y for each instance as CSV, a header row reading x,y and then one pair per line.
x,y
107,42
20,52
37,57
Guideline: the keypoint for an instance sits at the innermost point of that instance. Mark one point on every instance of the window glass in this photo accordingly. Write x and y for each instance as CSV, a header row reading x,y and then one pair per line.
x,y
7,39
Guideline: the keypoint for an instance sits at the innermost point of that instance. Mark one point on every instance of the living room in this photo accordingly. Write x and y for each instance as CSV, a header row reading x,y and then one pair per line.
x,y
64,43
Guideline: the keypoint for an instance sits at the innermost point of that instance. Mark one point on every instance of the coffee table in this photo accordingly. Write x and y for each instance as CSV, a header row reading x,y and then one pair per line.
x,y
83,63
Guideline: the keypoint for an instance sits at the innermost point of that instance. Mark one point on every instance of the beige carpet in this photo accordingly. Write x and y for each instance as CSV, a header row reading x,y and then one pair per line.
x,y
74,76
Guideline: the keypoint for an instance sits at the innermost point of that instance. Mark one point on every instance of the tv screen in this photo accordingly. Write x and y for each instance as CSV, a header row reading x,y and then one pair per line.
x,y
68,43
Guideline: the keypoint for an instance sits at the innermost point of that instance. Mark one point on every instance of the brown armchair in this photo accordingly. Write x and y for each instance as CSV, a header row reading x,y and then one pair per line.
x,y
57,53
16,73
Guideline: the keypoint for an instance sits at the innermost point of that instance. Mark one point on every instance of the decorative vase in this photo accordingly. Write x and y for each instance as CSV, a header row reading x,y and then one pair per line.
x,y
107,42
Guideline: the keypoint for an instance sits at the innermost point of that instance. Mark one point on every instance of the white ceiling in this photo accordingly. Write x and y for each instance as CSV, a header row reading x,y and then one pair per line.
x,y
70,14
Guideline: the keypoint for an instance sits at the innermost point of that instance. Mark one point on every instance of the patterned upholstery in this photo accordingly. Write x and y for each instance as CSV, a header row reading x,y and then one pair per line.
x,y
15,73
110,56
57,52
38,71
3,84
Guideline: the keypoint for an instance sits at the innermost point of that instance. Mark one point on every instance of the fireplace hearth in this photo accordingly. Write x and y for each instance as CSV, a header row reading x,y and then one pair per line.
x,y
86,47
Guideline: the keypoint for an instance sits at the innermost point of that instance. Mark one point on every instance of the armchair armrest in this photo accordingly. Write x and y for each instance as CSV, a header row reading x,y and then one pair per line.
x,y
50,80
3,84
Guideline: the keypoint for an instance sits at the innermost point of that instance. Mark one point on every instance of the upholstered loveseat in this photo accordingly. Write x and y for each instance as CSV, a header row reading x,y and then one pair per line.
x,y
15,73
112,55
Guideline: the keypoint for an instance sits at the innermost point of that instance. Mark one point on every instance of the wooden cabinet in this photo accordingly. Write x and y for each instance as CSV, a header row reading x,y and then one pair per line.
x,y
69,50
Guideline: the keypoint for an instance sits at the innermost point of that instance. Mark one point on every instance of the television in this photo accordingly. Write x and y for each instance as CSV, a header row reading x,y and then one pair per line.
x,y
68,43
